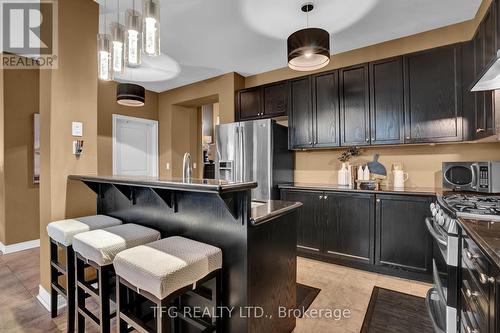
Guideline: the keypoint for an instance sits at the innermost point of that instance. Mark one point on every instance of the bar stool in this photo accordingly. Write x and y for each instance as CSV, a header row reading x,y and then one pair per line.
x,y
98,248
61,235
161,272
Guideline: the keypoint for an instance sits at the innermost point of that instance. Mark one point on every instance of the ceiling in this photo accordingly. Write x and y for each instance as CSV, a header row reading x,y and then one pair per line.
x,y
201,39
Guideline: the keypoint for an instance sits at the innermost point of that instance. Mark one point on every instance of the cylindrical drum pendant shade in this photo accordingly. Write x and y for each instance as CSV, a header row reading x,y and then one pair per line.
x,y
128,94
308,49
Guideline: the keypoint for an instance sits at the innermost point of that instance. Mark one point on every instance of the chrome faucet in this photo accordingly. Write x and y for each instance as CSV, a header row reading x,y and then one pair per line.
x,y
186,167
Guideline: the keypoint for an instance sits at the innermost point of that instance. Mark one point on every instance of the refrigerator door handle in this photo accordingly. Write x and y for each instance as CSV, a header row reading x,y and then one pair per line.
x,y
242,153
236,166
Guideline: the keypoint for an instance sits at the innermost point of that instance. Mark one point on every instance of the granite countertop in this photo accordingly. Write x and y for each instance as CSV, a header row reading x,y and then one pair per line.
x,y
383,189
264,211
194,185
487,236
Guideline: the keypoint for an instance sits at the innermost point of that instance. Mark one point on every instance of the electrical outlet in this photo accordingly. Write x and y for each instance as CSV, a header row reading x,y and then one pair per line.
x,y
168,166
194,165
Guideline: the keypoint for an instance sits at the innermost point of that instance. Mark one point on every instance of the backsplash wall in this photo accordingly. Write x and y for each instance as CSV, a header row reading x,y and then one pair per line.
x,y
422,162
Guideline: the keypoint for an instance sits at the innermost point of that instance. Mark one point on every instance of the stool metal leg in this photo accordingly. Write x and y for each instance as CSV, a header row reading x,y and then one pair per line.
x,y
218,301
104,304
121,300
53,279
163,320
70,288
80,294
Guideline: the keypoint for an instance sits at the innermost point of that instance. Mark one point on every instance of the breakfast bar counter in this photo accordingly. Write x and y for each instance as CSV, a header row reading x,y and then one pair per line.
x,y
257,239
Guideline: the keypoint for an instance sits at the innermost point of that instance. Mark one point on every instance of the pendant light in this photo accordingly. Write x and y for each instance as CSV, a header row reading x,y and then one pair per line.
x,y
151,27
308,49
133,45
128,94
104,63
118,43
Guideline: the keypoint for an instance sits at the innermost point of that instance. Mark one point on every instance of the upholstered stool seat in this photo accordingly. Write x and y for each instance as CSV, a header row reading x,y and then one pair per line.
x,y
98,248
61,235
167,265
102,245
63,231
162,272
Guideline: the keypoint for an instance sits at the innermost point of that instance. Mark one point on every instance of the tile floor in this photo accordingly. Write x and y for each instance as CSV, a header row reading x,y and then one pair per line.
x,y
341,288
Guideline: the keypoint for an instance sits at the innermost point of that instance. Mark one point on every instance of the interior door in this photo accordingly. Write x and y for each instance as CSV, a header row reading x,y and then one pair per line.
x,y
135,146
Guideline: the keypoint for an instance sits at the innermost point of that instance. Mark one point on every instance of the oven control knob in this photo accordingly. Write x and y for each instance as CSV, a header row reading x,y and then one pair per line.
x,y
440,218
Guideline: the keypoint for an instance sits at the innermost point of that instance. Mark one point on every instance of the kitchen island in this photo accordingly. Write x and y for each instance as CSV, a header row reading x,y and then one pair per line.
x,y
258,240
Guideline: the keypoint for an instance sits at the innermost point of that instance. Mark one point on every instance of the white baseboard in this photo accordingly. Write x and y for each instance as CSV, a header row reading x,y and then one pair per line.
x,y
6,249
44,298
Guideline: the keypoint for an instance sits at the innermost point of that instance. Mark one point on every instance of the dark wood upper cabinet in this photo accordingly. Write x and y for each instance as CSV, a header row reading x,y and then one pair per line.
x,y
402,240
263,102
326,107
249,103
490,35
300,120
350,226
485,47
276,99
433,96
386,101
354,106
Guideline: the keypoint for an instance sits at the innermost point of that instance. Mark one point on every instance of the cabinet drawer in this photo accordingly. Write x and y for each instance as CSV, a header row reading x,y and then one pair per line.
x,y
474,260
468,321
476,300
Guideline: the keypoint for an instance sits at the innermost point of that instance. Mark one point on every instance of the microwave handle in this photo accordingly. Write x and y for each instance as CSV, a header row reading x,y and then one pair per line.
x,y
475,170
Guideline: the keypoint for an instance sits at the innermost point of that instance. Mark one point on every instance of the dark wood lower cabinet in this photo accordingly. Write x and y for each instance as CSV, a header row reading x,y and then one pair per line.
x,y
402,241
381,233
310,224
349,226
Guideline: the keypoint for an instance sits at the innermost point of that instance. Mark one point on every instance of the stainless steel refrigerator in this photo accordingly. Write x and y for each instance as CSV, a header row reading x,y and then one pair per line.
x,y
254,151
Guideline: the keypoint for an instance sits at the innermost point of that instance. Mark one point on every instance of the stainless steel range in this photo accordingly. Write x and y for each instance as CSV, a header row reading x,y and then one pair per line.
x,y
442,300
474,206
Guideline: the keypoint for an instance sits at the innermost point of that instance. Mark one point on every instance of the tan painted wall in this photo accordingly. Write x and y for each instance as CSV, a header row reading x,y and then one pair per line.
x,y
106,107
68,94
2,167
21,101
219,89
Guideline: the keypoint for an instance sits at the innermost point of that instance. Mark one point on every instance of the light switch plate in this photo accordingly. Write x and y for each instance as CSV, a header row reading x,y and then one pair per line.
x,y
77,128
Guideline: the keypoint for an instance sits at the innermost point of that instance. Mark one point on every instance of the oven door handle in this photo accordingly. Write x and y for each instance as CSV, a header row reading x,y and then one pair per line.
x,y
433,232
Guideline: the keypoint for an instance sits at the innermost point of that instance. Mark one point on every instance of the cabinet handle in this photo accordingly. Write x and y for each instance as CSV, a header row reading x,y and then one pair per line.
x,y
320,197
378,200
480,130
484,279
367,139
373,139
470,330
310,142
325,197
315,142
471,256
408,138
471,294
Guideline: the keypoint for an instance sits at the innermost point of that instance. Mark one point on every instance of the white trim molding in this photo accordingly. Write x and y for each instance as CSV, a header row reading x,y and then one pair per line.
x,y
6,249
44,298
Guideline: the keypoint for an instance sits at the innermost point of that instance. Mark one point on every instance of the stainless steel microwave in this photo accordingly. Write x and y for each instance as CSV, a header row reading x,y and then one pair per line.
x,y
472,176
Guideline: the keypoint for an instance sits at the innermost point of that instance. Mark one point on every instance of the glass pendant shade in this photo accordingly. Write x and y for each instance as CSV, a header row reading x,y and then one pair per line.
x,y
308,49
151,27
104,62
118,47
133,38
128,94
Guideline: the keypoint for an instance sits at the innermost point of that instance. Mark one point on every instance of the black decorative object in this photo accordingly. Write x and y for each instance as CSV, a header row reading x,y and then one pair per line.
x,y
308,49
128,94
